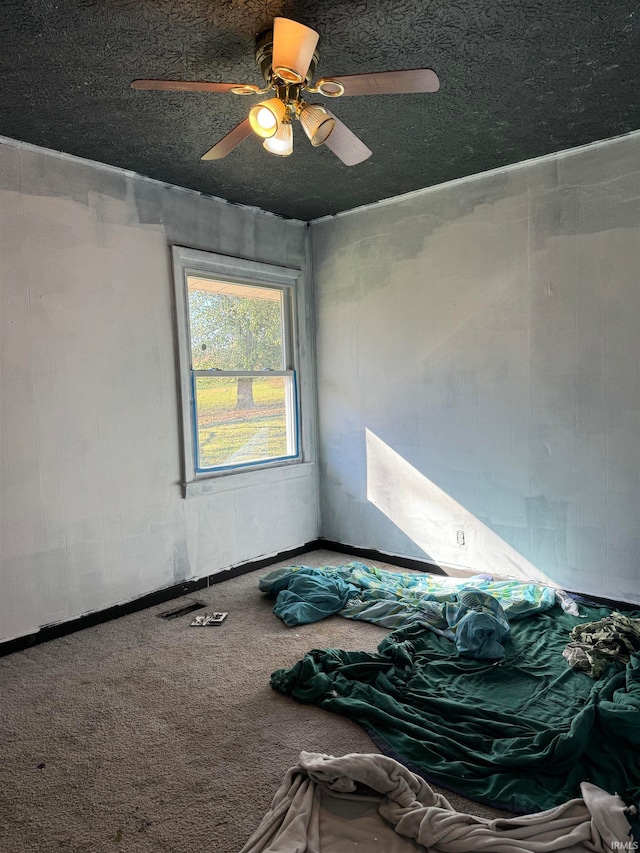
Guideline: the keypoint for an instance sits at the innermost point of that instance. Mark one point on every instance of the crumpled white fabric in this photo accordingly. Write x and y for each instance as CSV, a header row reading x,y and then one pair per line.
x,y
425,820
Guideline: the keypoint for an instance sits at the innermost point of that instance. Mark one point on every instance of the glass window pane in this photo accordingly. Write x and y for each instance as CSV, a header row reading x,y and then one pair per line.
x,y
235,326
244,419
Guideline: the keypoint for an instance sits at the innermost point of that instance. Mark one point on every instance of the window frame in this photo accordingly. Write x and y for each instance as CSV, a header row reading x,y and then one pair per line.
x,y
225,268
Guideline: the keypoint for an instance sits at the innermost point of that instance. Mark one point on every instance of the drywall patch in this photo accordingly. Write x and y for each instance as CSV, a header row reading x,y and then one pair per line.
x,y
180,561
357,256
24,169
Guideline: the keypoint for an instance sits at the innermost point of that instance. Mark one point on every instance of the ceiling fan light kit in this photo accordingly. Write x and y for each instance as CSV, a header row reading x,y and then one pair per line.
x,y
265,118
316,123
287,57
281,143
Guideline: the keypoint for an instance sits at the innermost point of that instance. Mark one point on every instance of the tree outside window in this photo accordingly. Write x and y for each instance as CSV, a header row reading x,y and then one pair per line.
x,y
243,391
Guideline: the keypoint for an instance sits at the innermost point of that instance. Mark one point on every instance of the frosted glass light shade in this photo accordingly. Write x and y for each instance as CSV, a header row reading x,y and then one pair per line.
x,y
317,123
265,117
293,47
281,143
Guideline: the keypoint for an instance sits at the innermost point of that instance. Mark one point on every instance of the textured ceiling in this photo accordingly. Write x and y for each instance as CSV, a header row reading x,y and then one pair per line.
x,y
518,79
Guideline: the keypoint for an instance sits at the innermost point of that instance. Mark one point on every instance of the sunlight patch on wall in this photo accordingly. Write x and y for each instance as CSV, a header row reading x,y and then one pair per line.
x,y
438,524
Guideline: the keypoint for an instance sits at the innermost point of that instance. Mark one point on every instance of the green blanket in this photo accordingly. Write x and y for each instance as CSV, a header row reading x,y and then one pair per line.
x,y
522,733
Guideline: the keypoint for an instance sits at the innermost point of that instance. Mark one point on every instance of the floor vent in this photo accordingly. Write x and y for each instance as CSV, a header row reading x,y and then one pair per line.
x,y
180,611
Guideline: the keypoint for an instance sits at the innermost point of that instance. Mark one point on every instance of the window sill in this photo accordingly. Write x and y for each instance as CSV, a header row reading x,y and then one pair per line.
x,y
231,481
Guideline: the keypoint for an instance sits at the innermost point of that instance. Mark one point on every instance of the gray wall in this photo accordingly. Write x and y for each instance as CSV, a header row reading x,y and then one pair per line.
x,y
91,506
478,351
478,369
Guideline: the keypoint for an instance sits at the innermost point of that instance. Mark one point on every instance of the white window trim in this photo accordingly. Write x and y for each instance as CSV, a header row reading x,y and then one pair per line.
x,y
237,271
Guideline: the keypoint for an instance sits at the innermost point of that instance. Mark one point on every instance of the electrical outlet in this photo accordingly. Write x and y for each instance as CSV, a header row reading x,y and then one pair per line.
x,y
460,537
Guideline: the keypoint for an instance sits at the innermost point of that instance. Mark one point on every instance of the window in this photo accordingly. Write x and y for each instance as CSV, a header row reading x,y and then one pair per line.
x,y
243,393
235,335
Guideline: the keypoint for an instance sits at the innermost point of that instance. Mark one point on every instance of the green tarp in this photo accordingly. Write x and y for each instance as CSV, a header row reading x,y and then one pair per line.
x,y
522,733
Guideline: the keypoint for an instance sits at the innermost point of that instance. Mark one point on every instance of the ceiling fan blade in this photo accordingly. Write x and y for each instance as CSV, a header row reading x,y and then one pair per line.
x,y
388,82
293,47
346,145
185,85
229,142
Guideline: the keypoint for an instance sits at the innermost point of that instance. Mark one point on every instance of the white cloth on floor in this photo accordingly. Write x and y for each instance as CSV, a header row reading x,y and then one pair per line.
x,y
374,804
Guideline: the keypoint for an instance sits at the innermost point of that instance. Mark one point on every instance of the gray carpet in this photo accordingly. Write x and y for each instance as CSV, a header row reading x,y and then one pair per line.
x,y
144,734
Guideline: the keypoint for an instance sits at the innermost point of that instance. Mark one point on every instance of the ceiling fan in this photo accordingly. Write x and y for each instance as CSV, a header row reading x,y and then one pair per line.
x,y
288,57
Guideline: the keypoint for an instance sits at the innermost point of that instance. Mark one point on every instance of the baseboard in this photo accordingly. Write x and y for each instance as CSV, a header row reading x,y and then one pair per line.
x,y
597,601
252,566
61,629
380,557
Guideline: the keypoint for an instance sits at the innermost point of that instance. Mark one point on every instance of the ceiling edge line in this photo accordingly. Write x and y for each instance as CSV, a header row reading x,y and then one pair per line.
x,y
129,173
565,152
